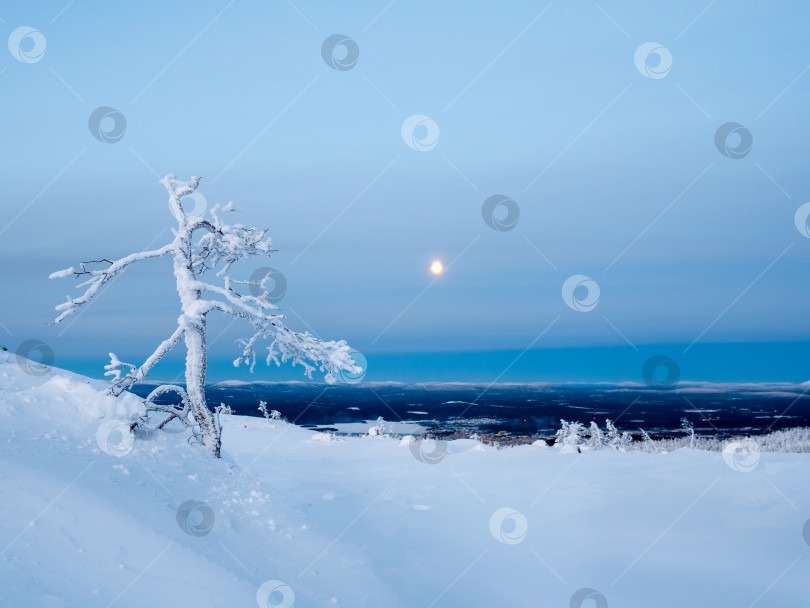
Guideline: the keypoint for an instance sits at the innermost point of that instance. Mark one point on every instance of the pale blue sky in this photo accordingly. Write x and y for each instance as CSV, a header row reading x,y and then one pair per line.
x,y
536,101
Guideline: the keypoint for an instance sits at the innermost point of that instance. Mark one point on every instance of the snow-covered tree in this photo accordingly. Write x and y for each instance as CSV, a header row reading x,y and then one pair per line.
x,y
379,429
570,435
218,248
647,443
616,440
689,428
596,438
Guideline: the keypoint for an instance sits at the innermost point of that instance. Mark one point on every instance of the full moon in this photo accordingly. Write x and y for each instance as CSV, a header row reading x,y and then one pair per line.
x,y
436,267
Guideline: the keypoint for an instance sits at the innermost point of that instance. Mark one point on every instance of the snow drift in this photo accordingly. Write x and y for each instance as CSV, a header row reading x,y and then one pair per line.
x,y
291,517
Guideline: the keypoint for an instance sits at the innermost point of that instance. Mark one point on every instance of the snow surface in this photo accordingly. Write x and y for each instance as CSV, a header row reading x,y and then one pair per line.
x,y
364,522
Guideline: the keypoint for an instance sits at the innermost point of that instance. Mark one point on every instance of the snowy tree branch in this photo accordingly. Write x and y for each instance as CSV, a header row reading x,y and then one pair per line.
x,y
119,383
100,277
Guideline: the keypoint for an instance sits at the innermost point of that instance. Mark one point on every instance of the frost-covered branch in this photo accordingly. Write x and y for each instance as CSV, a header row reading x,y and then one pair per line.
x,y
177,189
227,244
172,410
98,278
286,345
253,306
120,383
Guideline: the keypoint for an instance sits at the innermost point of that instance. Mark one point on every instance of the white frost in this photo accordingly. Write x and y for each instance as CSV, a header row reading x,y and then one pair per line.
x,y
60,274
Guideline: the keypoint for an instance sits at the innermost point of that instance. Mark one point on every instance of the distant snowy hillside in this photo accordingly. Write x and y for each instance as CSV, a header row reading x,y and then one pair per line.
x,y
90,518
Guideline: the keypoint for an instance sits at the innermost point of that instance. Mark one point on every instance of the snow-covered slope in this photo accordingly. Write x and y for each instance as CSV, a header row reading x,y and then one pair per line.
x,y
366,522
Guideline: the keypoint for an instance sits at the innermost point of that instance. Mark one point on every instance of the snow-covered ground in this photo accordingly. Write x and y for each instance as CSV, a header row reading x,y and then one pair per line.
x,y
365,522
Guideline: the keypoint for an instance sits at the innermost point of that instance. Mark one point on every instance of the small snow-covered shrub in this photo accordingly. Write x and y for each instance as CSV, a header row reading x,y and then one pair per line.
x,y
570,436
616,440
325,437
788,440
647,444
379,429
689,428
596,438
271,416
